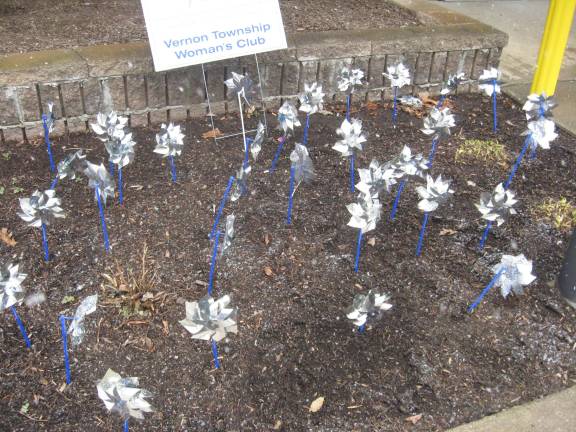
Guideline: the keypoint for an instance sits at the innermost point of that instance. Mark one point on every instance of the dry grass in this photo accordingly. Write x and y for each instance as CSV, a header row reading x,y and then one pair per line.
x,y
481,151
560,213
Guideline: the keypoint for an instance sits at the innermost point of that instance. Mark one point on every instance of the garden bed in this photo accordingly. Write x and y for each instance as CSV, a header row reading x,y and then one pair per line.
x,y
292,285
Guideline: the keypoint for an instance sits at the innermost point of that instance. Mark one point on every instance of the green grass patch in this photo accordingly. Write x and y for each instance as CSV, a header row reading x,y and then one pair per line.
x,y
560,213
489,151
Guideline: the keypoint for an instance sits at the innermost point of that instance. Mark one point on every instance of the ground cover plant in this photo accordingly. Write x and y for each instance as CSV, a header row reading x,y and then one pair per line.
x,y
407,355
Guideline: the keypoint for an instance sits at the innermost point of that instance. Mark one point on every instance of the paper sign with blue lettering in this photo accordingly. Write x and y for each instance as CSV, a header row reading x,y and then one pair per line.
x,y
188,32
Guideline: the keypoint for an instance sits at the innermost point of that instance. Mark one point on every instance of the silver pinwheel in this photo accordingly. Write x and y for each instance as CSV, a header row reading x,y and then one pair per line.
x,y
71,164
256,144
109,127
367,305
497,205
408,166
12,294
241,86
124,396
103,184
352,138
288,118
365,214
489,81
228,234
438,123
541,132
169,143
349,79
376,178
301,169
240,187
312,99
398,74
121,150
209,319
76,329
539,105
452,83
436,193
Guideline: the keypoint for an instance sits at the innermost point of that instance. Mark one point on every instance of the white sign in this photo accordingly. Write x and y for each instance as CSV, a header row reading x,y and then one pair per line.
x,y
188,32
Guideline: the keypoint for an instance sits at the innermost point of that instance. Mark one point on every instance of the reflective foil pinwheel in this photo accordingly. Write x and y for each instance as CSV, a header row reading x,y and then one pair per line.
x,y
497,205
301,169
437,124
349,80
539,105
288,118
76,329
376,178
365,214
352,140
12,294
103,184
241,86
169,143
367,305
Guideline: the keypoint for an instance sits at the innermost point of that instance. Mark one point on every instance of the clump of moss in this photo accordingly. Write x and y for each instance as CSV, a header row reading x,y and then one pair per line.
x,y
560,213
473,150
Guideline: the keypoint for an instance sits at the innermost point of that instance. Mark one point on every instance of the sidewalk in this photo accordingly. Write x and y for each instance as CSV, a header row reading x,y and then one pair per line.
x,y
524,22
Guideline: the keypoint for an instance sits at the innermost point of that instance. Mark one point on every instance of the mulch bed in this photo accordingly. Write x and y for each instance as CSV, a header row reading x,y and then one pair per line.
x,y
292,285
35,25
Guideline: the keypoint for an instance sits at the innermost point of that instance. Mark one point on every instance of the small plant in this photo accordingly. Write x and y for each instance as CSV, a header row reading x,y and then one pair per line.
x,y
473,150
560,213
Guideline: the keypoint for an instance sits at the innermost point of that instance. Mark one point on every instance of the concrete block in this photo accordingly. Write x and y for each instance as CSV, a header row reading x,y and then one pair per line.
x,y
28,103
136,90
113,94
308,73
8,106
438,66
185,86
290,78
156,90
423,67
72,98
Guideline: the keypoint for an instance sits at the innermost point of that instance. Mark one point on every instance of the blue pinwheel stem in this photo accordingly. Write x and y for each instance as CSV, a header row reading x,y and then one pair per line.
x,y
215,354
494,113
440,101
290,196
533,152
395,106
45,243
305,135
362,329
173,168
54,183
421,236
485,291
21,326
348,102
485,235
282,140
397,200
64,334
527,142
120,188
247,152
213,263
111,166
358,250
435,141
126,425
352,176
47,141
102,219
221,207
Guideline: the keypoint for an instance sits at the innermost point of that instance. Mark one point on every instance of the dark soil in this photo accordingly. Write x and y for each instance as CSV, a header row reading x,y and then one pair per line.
x,y
292,285
35,25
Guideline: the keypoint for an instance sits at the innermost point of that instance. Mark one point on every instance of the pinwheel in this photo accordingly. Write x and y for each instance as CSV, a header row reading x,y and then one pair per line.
x,y
48,125
349,80
39,211
12,294
228,234
76,329
103,184
437,124
69,166
124,397
399,76
511,274
489,83
436,193
301,169
287,120
352,141
376,178
367,305
495,207
311,101
256,143
539,105
210,319
365,213
169,143
241,184
451,85
109,128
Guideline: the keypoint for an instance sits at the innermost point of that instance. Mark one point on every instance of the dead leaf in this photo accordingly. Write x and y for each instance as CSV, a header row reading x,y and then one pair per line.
x,y
316,404
372,106
6,237
166,329
212,134
167,254
267,239
268,271
372,241
201,283
414,419
447,232
278,425
137,187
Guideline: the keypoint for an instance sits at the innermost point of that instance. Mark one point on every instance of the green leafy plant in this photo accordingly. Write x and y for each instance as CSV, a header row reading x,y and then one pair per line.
x,y
560,213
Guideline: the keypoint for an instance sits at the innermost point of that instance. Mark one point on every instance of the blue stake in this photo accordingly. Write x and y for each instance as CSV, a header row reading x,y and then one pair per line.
x,y
173,169
111,166
126,425
440,101
290,196
421,237
348,101
277,154
494,115
45,243
358,249
433,151
305,136
352,176
485,235
485,291
395,109
533,152
215,354
362,329
102,219
213,263
397,200
21,327
54,183
47,141
120,188
64,333
518,161
221,206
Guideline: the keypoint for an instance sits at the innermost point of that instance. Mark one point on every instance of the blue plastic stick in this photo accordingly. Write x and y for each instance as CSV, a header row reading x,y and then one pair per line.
x,y
215,354
358,249
533,152
54,183
397,200
45,243
64,333
362,329
111,166
494,114
47,141
485,235
120,188
421,237
290,197
173,169
352,176
277,154
305,136
518,161
440,101
221,207
126,425
395,110
21,326
102,219
485,291
213,263
348,101
433,151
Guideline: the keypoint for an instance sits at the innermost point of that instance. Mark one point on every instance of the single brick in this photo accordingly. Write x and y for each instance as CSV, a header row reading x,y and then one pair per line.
x,y
438,66
72,98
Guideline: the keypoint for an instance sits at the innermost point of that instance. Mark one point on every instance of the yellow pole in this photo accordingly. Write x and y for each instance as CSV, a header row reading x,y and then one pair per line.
x,y
554,41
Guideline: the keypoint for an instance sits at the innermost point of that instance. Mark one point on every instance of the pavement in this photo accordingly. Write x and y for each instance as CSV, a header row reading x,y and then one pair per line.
x,y
524,22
